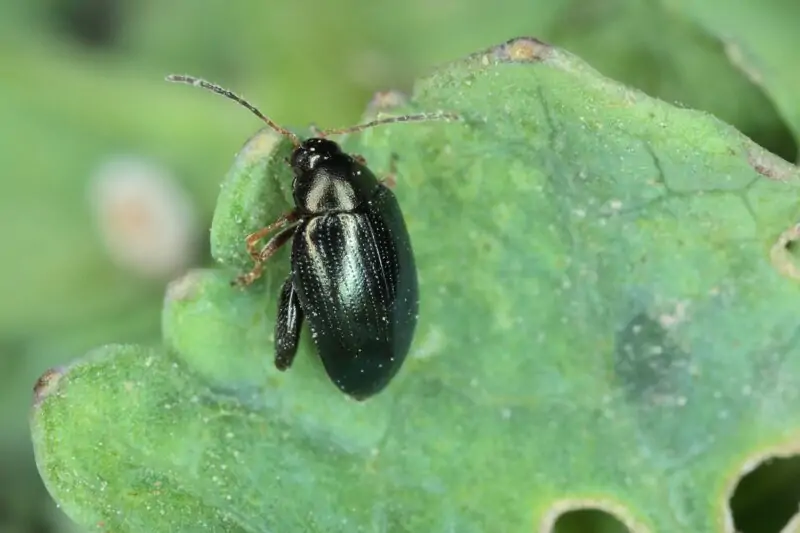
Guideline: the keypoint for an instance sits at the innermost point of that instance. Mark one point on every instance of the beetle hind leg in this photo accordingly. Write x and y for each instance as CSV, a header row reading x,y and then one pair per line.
x,y
287,326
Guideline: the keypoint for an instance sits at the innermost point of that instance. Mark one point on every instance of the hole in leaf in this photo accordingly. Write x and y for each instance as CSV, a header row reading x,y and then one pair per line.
x,y
589,521
768,497
794,249
784,254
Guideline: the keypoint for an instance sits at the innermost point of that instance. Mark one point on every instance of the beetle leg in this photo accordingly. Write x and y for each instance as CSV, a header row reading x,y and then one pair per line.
x,y
251,240
390,180
360,159
261,257
287,326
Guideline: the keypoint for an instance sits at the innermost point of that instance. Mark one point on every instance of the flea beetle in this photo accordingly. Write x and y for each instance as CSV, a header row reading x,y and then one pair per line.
x,y
353,276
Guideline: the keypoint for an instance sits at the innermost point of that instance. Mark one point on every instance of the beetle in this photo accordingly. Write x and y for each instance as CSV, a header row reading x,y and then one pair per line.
x,y
353,275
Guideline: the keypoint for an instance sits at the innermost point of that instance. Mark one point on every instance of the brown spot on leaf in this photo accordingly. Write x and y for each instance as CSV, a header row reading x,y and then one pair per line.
x,y
770,165
46,383
519,50
524,49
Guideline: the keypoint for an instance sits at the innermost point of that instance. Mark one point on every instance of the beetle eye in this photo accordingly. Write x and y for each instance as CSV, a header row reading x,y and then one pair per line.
x,y
304,160
296,159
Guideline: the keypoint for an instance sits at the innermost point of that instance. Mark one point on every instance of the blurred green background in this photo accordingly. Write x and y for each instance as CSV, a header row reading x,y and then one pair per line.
x,y
110,174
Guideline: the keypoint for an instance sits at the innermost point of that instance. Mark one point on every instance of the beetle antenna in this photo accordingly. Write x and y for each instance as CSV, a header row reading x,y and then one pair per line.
x,y
439,115
198,82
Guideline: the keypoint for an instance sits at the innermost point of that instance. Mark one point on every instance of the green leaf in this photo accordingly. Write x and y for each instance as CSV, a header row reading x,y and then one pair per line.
x,y
761,39
250,194
608,320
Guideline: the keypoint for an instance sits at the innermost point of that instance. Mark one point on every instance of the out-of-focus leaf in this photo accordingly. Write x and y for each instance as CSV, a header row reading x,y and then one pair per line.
x,y
762,39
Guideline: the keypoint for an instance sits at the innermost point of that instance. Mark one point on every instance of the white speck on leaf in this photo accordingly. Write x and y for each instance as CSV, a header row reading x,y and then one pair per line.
x,y
432,344
675,317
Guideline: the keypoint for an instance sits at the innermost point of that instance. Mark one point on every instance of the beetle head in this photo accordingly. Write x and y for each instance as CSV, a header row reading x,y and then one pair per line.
x,y
312,153
327,179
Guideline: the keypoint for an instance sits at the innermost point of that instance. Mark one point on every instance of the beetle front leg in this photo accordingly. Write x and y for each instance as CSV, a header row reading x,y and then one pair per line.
x,y
390,180
251,240
287,326
261,257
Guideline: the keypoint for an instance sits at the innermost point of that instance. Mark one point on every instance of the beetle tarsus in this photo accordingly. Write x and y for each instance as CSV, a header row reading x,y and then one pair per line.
x,y
248,278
